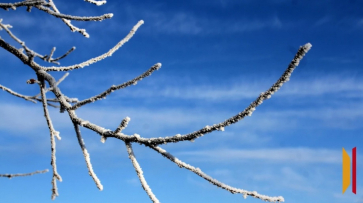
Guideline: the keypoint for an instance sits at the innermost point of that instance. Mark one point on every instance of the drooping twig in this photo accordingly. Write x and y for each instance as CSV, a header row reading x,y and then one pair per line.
x,y
87,157
53,133
215,182
140,173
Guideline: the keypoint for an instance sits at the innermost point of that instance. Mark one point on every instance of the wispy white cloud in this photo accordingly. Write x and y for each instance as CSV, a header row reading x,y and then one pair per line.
x,y
339,115
322,21
245,88
278,155
182,22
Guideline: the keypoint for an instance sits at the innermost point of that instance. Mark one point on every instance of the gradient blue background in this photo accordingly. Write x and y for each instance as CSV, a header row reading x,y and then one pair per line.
x,y
217,56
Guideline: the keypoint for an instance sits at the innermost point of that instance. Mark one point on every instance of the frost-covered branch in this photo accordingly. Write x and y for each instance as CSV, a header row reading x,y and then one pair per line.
x,y
101,57
113,87
53,134
28,3
72,100
87,157
68,22
28,50
247,112
78,18
122,125
98,3
140,173
43,5
22,174
28,98
215,182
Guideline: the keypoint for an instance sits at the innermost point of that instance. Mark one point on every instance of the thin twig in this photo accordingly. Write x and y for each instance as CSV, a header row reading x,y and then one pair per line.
x,y
28,3
98,3
101,57
140,173
28,98
113,88
78,18
215,182
22,174
53,133
87,157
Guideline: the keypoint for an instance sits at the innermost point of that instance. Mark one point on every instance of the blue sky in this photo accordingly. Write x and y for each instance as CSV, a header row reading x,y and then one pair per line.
x,y
217,56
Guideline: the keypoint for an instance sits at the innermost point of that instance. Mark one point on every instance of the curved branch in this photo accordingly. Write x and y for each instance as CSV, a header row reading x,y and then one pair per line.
x,y
247,112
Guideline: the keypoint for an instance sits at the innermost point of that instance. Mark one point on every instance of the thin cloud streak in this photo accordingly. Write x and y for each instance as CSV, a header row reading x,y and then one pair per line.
x,y
278,155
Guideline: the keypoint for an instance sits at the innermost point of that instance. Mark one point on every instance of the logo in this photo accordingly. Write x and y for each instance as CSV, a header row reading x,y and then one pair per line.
x,y
346,170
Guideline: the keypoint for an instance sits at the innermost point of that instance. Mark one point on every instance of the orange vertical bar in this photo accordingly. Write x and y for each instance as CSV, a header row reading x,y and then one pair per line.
x,y
346,170
354,170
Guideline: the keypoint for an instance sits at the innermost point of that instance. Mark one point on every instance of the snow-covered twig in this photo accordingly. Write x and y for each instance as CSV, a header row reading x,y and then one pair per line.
x,y
122,125
28,3
28,50
101,57
98,3
87,157
28,98
140,173
78,18
113,88
215,182
248,111
53,133
68,22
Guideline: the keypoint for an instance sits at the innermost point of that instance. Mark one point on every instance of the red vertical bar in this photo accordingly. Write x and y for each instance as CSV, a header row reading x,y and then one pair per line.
x,y
354,170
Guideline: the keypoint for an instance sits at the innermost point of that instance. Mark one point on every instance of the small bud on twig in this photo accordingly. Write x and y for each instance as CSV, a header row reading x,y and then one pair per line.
x,y
32,81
